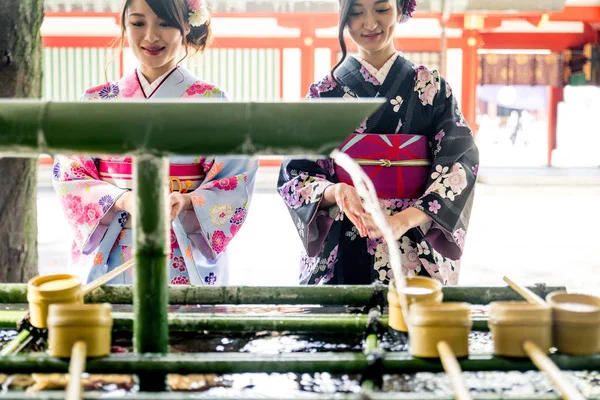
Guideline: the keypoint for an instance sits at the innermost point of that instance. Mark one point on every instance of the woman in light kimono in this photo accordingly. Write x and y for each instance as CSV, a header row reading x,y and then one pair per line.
x,y
342,245
209,197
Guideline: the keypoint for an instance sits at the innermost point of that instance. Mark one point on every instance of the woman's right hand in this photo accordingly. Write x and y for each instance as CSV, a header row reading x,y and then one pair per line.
x,y
347,199
125,202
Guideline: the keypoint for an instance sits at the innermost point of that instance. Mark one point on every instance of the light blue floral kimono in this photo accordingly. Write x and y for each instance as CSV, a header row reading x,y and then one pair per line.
x,y
220,189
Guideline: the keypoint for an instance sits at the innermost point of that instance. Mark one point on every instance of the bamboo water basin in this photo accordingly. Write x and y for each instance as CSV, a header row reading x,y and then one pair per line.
x,y
241,351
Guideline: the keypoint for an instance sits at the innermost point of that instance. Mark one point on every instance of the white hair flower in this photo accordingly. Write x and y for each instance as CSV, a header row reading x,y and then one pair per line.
x,y
199,14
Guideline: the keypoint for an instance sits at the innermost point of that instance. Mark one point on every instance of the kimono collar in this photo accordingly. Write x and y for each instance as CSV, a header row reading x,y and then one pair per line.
x,y
149,88
383,72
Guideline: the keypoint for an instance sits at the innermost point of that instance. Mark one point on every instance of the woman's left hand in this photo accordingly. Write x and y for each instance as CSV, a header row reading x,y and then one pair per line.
x,y
179,202
400,222
396,222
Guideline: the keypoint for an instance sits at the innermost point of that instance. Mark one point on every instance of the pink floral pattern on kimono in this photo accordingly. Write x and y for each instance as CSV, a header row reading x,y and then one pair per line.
x,y
368,76
201,89
427,84
325,85
130,87
102,237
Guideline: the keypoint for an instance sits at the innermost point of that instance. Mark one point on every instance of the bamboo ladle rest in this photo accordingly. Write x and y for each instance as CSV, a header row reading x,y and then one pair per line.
x,y
69,291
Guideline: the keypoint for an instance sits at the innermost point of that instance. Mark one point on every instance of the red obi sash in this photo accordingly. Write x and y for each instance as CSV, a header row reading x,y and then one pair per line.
x,y
397,164
182,177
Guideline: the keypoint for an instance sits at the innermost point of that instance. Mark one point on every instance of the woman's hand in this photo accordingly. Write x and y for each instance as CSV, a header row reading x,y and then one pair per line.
x,y
348,200
125,202
396,222
179,202
400,222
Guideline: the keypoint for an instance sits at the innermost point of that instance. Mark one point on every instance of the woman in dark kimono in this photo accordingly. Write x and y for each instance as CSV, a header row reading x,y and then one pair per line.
x,y
342,246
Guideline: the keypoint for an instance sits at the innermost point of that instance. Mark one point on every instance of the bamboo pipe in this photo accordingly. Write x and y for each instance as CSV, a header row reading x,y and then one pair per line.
x,y
526,293
76,368
151,284
371,343
371,347
185,322
30,127
349,295
151,229
225,363
453,371
545,364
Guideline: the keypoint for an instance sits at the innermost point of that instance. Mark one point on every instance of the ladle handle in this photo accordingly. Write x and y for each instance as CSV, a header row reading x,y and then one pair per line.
x,y
12,346
107,277
526,293
545,364
76,368
453,370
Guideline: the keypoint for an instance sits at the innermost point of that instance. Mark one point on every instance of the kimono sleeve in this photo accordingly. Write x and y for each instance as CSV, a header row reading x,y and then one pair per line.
x,y
448,198
301,184
220,204
86,200
326,87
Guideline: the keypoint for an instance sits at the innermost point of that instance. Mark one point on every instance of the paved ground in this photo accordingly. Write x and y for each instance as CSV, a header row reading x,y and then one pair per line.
x,y
534,225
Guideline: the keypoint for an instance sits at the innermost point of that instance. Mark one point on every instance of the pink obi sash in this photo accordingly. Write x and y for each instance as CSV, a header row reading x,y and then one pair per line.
x,y
397,164
182,177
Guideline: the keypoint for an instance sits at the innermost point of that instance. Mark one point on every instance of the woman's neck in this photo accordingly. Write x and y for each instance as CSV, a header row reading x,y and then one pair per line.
x,y
152,74
377,58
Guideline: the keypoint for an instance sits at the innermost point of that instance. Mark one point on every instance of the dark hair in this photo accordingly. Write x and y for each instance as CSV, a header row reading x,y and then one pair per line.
x,y
405,9
175,13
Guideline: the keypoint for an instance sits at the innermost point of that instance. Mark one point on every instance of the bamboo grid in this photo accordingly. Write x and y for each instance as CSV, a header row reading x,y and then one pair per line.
x,y
28,128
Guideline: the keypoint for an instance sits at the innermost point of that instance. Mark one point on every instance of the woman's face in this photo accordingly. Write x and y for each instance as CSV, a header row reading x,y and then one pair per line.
x,y
154,43
371,23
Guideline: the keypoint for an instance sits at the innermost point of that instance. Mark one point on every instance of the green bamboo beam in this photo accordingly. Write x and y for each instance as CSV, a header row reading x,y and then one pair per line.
x,y
56,395
208,127
331,323
489,294
151,233
372,349
323,295
225,363
371,343
181,322
151,254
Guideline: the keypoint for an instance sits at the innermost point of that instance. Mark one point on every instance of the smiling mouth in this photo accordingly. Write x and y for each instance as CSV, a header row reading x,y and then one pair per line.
x,y
153,50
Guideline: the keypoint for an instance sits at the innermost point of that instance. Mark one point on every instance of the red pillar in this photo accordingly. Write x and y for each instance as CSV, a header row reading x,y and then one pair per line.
x,y
281,73
308,23
555,96
469,80
307,65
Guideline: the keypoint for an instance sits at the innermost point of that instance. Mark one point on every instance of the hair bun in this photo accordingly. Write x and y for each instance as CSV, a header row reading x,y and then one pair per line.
x,y
199,37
